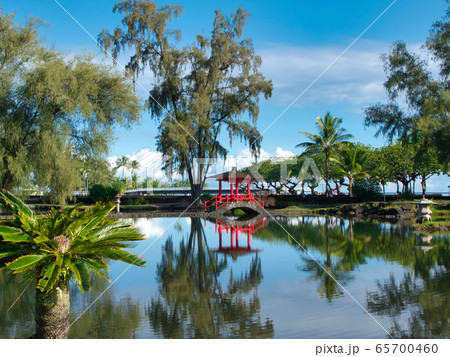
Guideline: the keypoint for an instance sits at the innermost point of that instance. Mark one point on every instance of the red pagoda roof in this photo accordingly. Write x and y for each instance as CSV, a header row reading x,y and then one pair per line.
x,y
234,175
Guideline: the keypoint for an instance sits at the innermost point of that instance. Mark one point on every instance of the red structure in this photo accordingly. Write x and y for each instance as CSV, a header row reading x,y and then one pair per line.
x,y
246,231
235,178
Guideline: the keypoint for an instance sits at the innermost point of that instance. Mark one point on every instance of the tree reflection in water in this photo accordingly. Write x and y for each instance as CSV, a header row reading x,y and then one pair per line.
x,y
421,297
18,322
193,302
418,305
107,318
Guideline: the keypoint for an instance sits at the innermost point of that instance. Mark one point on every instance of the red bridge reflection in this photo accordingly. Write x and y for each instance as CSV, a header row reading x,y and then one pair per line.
x,y
236,232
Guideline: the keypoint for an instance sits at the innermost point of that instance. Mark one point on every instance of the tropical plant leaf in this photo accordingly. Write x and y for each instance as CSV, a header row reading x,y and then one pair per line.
x,y
26,262
85,278
124,256
8,230
17,237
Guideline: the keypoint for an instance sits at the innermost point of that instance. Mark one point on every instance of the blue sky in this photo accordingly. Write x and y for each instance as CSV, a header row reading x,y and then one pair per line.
x,y
297,40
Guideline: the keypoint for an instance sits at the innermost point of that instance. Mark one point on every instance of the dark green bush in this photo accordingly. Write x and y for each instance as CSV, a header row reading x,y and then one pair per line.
x,y
207,196
103,193
408,196
136,201
367,190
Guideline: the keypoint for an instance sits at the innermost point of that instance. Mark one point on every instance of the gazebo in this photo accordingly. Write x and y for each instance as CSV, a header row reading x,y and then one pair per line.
x,y
235,178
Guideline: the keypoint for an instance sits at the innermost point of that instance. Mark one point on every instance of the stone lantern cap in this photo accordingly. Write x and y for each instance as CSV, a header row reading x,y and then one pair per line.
x,y
424,201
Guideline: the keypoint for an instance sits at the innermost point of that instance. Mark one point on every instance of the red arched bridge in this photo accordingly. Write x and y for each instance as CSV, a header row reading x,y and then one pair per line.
x,y
235,199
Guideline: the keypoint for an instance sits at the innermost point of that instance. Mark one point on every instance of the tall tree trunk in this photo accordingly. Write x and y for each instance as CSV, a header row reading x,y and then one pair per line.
x,y
196,191
326,177
424,185
52,313
7,180
350,186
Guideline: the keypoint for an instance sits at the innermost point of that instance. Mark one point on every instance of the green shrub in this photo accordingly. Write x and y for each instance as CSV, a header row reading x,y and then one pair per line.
x,y
103,193
238,212
367,190
136,201
408,196
207,196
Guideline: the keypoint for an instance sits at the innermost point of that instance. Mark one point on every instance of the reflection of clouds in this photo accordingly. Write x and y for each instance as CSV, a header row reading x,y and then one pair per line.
x,y
150,227
187,220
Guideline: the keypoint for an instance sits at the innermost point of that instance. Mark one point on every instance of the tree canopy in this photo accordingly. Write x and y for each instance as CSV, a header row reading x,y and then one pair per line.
x,y
200,90
410,78
55,110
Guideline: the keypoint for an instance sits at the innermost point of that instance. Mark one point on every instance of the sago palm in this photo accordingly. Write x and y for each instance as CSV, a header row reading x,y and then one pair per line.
x,y
351,164
58,247
330,136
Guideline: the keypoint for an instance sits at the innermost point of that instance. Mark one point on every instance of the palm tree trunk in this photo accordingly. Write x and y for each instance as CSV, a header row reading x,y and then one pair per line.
x,y
350,186
326,175
52,313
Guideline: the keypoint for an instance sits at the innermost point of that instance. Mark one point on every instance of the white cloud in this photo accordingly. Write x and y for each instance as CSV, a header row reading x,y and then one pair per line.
x,y
151,162
355,78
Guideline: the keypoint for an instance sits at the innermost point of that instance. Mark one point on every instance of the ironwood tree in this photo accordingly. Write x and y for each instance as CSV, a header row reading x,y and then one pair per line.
x,y
410,78
201,92
55,111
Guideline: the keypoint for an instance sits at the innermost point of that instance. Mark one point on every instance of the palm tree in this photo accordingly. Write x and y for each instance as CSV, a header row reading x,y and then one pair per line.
x,y
330,137
62,245
124,163
351,164
134,166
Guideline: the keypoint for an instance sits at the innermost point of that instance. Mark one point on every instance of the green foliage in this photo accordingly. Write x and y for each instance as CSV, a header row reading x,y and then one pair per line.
x,y
54,110
367,190
103,193
351,163
410,78
63,244
330,137
136,201
201,90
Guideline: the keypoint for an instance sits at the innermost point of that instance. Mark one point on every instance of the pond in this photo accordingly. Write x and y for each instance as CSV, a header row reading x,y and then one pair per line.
x,y
288,277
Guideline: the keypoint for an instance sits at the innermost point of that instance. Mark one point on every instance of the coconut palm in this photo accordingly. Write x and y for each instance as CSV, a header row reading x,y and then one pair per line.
x,y
330,137
60,246
351,163
124,163
134,166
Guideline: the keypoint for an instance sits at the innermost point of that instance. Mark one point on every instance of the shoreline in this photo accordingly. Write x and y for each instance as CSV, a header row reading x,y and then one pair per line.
x,y
377,210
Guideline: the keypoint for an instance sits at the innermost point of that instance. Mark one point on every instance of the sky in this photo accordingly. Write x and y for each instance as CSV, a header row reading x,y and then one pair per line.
x,y
324,55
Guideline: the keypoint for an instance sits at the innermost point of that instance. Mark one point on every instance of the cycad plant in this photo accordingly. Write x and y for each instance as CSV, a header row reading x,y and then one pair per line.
x,y
351,164
330,137
60,246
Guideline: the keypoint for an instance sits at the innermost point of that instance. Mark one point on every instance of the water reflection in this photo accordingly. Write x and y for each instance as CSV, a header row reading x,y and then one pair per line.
x,y
108,317
418,305
221,279
195,302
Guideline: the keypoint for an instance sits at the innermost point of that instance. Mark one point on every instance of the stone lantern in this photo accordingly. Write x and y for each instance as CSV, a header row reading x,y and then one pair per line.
x,y
118,203
423,210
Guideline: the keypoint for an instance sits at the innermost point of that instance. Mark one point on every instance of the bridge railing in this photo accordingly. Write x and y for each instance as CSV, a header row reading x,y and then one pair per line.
x,y
219,201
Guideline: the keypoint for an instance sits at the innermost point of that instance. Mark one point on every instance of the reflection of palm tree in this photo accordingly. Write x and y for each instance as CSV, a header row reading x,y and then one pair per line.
x,y
328,273
193,302
350,247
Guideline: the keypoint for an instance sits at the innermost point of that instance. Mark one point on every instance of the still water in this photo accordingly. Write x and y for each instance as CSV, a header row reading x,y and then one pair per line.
x,y
300,277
